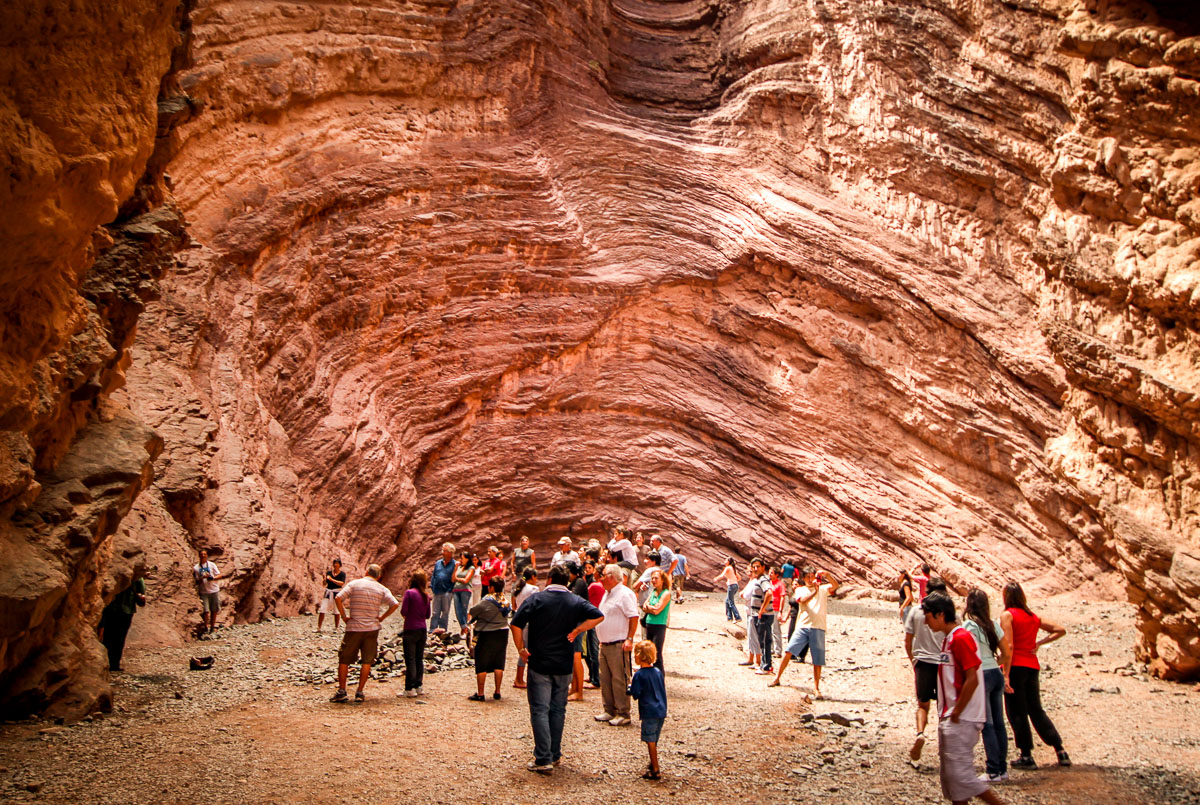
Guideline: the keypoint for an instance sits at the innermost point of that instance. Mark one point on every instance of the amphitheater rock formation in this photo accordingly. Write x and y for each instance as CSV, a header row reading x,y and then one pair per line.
x,y
861,281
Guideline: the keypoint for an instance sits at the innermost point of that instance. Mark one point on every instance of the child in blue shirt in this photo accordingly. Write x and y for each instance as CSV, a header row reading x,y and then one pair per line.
x,y
651,694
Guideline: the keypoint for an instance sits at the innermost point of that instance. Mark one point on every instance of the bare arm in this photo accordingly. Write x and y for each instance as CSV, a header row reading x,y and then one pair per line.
x,y
633,625
831,581
1006,632
390,610
1053,632
662,603
583,627
908,641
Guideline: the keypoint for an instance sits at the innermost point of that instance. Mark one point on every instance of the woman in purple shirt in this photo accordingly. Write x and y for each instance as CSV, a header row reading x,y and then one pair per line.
x,y
414,608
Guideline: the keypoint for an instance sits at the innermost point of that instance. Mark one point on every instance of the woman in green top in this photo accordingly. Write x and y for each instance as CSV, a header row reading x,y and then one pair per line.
x,y
994,651
658,612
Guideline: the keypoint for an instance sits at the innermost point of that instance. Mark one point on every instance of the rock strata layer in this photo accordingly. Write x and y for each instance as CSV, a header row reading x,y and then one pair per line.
x,y
862,282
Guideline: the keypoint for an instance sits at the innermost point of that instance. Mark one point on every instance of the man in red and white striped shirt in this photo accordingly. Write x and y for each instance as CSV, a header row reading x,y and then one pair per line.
x,y
364,598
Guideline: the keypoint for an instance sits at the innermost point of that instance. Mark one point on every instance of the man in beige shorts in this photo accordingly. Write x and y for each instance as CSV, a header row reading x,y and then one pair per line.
x,y
359,603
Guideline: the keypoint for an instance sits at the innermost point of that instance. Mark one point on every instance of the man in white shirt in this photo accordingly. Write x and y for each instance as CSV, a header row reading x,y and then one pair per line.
x,y
205,574
363,598
616,633
564,553
813,598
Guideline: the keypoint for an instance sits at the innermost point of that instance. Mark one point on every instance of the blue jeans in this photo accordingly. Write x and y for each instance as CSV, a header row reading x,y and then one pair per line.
x,y
462,602
995,736
439,617
547,695
731,610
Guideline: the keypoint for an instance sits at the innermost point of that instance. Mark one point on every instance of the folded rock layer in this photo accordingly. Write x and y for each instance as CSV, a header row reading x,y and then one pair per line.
x,y
858,282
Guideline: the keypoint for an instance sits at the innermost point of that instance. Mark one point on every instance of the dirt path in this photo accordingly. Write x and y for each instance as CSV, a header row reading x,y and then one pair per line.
x,y
251,731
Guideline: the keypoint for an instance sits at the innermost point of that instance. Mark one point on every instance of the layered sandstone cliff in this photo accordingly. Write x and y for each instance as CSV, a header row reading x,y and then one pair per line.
x,y
861,281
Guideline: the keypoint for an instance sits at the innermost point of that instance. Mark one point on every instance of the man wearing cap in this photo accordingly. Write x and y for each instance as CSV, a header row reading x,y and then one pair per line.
x,y
564,553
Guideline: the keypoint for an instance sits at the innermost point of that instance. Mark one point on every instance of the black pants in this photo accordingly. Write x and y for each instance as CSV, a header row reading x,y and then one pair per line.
x,y
413,641
765,639
116,628
593,657
1024,705
657,634
793,613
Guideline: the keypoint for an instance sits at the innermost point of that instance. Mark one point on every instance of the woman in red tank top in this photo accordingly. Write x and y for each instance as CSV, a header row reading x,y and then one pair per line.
x,y
1023,698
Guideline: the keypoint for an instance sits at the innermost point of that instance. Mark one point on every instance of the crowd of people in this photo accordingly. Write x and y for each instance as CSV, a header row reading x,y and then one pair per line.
x,y
581,630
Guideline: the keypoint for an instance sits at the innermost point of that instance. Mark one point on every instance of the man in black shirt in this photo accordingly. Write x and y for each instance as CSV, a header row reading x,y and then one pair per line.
x,y
555,617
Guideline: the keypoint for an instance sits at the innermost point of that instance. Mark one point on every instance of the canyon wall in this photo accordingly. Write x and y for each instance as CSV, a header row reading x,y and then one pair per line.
x,y
865,282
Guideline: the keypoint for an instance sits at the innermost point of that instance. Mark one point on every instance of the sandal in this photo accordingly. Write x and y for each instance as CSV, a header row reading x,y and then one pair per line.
x,y
651,774
475,697
359,698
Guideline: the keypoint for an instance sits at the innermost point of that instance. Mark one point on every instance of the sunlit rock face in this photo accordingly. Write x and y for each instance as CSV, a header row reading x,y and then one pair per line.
x,y
857,282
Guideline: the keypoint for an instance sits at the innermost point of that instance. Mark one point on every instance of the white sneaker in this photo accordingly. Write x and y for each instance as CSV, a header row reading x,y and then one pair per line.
x,y
918,745
420,692
997,778
602,717
619,721
411,694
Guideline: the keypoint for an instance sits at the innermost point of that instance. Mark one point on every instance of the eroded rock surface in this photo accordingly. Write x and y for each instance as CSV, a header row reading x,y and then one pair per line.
x,y
861,282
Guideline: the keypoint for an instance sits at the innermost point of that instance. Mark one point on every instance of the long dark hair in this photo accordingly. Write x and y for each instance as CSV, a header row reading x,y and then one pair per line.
x,y
527,575
979,610
1014,598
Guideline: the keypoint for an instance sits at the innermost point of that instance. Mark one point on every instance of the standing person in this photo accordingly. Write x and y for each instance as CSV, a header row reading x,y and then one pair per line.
x,y
650,690
564,553
522,558
464,576
476,579
414,609
787,571
363,598
643,585
490,617
760,603
1024,704
924,649
961,707
729,578
639,544
525,589
666,557
813,600
118,617
335,579
206,575
615,634
752,595
993,652
592,647
905,586
555,617
777,596
443,589
579,587
658,613
493,567
921,574
679,577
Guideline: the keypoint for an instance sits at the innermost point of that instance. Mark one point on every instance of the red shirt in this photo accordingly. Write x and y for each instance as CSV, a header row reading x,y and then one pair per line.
x,y
492,568
595,593
1025,629
777,596
964,659
922,583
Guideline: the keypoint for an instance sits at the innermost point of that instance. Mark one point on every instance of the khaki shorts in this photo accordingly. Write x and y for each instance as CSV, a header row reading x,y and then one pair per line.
x,y
356,643
210,602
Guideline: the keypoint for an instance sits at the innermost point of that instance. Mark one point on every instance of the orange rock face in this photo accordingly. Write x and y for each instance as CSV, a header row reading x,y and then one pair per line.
x,y
860,283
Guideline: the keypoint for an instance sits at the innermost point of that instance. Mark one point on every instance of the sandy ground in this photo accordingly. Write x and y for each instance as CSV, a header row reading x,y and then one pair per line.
x,y
250,730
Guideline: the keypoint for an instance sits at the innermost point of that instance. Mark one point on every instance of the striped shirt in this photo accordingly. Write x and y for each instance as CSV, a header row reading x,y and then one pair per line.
x,y
363,598
758,589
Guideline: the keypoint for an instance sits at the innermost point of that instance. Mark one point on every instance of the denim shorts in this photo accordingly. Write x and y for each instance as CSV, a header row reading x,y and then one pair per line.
x,y
651,729
814,639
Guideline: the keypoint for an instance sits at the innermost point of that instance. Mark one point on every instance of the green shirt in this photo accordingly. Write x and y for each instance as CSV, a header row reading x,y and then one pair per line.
x,y
661,618
127,599
985,650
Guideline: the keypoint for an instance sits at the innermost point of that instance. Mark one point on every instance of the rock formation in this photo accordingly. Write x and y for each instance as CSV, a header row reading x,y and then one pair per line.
x,y
862,282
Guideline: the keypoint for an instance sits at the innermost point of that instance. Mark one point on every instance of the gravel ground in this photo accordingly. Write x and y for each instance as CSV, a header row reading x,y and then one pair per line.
x,y
256,728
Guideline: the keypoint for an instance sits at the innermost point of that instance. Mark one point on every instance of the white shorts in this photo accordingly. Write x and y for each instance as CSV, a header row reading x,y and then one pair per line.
x,y
956,749
328,606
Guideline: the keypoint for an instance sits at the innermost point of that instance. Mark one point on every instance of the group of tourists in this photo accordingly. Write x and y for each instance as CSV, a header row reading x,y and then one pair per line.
x,y
976,669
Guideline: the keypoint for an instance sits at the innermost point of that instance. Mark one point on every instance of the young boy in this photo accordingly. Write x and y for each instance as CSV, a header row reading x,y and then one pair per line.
x,y
651,694
961,705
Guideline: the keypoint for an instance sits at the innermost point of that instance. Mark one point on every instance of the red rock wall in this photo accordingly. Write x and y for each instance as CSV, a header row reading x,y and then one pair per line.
x,y
863,282
850,281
